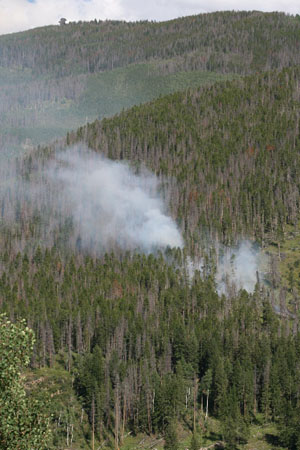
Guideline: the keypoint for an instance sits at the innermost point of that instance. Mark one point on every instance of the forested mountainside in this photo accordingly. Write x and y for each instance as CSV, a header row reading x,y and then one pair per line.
x,y
54,79
239,42
137,347
36,111
150,347
228,154
227,157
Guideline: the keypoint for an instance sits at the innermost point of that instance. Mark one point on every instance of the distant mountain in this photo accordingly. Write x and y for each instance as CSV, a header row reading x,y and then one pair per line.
x,y
239,42
36,111
54,79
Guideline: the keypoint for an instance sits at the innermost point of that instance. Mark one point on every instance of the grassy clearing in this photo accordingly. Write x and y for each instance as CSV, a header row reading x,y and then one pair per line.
x,y
261,437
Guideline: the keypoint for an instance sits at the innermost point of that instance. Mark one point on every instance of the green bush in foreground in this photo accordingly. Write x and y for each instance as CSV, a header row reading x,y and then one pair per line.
x,y
22,424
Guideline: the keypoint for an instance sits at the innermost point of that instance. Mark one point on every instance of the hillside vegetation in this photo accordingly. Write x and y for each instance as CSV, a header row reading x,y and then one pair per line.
x,y
141,350
49,75
222,41
233,149
37,111
148,348
137,333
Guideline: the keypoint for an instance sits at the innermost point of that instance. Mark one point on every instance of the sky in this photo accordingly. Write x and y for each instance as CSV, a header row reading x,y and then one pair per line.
x,y
19,15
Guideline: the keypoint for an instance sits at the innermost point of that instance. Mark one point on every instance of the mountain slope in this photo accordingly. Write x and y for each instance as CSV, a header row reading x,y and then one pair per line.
x,y
233,149
49,75
37,111
222,41
132,344
227,156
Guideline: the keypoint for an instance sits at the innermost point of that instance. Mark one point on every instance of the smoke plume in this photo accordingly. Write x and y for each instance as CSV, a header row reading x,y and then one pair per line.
x,y
83,200
234,268
239,266
110,204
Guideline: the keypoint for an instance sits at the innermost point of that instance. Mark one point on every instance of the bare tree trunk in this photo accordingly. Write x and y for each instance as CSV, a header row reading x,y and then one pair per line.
x,y
124,416
206,412
93,423
67,435
195,402
255,392
117,417
69,344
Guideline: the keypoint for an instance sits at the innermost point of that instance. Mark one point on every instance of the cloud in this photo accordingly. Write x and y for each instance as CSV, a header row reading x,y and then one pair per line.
x,y
17,15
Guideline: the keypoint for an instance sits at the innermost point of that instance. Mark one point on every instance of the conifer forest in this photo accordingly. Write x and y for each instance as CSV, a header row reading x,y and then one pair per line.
x,y
150,235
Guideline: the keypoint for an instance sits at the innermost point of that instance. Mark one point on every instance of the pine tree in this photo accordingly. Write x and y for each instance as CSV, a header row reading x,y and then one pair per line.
x,y
195,441
171,438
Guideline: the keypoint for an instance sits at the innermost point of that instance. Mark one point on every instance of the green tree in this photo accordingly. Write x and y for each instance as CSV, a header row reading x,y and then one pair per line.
x,y
290,431
171,438
235,430
195,441
22,424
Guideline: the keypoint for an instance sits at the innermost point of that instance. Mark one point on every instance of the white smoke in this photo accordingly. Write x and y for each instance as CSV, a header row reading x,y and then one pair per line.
x,y
234,268
110,204
239,266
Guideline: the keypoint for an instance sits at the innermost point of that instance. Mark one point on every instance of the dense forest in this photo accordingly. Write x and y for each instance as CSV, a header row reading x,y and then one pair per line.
x,y
233,149
138,347
239,42
37,110
54,79
149,348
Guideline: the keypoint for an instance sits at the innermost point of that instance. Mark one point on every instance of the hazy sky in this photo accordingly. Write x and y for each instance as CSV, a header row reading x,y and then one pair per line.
x,y
18,15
